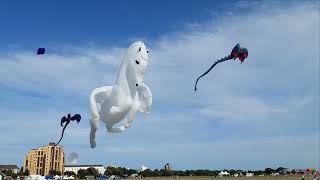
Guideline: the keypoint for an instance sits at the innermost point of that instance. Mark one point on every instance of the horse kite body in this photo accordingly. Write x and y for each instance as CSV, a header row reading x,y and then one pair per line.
x,y
111,104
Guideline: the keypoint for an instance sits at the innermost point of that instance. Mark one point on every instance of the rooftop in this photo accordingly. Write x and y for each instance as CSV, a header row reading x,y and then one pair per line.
x,y
84,165
9,167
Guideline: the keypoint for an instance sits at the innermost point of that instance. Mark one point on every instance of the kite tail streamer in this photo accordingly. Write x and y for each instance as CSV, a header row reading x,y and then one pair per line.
x,y
218,61
58,143
64,119
62,134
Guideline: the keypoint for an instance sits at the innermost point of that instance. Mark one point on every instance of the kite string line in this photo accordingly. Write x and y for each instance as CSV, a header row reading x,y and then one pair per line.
x,y
229,57
57,144
62,134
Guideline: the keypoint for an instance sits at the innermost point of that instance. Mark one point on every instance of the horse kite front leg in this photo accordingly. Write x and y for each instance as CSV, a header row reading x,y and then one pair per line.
x,y
142,102
132,113
98,96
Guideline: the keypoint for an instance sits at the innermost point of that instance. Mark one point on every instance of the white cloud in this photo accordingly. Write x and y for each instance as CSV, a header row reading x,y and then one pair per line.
x,y
123,149
282,64
288,151
242,110
52,73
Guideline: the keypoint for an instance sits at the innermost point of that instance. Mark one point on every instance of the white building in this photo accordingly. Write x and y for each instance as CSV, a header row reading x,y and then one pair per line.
x,y
13,168
75,168
35,177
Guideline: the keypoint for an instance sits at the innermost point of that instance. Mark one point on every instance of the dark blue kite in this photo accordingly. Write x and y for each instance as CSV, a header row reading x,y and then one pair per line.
x,y
41,51
66,120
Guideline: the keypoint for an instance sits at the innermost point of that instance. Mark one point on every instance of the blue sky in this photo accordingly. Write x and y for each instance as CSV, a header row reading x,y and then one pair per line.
x,y
103,22
262,113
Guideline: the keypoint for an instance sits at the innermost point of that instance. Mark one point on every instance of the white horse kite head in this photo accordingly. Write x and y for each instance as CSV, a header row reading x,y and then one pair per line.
x,y
133,67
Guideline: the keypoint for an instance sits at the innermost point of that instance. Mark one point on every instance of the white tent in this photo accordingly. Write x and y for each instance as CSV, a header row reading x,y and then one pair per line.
x,y
249,174
35,177
68,177
223,173
134,175
112,177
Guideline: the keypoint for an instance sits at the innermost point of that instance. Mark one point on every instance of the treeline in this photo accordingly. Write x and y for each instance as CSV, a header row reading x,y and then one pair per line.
x,y
206,172
124,172
15,175
117,171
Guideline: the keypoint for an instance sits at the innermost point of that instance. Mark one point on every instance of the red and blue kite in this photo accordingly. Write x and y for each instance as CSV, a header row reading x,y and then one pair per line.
x,y
237,52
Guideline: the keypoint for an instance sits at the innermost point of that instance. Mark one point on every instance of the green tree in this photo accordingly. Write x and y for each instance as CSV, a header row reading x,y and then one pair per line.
x,y
54,172
92,172
116,171
232,172
259,172
8,172
108,172
280,169
14,175
131,171
147,173
21,173
164,172
70,173
269,171
27,173
82,173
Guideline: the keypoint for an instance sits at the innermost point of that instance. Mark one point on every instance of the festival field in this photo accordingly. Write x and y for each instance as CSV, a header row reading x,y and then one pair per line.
x,y
292,177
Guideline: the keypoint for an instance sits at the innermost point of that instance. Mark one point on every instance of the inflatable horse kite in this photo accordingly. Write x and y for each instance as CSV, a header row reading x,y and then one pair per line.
x,y
111,104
